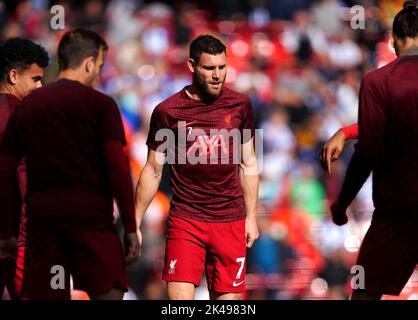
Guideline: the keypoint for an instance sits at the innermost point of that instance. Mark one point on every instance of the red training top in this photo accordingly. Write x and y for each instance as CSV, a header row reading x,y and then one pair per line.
x,y
69,135
204,173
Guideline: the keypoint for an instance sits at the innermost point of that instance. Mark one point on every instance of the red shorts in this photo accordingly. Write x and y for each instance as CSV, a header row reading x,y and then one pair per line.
x,y
389,253
219,247
94,259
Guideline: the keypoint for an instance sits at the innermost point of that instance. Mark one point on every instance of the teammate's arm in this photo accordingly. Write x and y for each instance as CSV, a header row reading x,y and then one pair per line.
x,y
10,155
148,183
332,149
249,179
372,104
120,179
21,178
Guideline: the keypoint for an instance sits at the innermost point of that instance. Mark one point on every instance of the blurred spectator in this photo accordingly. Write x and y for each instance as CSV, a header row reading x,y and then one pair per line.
x,y
307,193
336,274
284,9
327,16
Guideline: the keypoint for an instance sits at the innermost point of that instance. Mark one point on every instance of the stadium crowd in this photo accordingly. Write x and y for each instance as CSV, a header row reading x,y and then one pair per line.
x,y
300,62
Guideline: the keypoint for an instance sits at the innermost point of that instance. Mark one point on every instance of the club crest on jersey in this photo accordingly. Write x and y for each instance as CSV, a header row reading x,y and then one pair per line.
x,y
228,120
172,267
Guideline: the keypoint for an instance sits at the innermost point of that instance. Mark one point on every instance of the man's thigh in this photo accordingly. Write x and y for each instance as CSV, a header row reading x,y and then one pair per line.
x,y
43,267
226,257
185,251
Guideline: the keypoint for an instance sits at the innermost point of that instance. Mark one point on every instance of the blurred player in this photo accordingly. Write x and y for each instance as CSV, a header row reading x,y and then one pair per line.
x,y
213,210
21,71
72,139
387,145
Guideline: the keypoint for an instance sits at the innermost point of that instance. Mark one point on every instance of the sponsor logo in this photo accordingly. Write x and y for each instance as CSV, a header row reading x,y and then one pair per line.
x,y
235,284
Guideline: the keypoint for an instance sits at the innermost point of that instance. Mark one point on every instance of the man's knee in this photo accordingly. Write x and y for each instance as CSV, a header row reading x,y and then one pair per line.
x,y
180,290
225,296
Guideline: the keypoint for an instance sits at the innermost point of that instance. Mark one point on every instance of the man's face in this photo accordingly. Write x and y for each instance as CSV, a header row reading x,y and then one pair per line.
x,y
209,74
97,65
28,80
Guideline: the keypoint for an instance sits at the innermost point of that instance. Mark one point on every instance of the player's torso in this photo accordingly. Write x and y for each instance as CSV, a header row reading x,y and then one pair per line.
x,y
206,134
396,174
58,126
204,156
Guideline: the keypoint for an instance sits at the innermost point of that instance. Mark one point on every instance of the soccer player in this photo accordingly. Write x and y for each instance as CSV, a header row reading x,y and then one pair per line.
x,y
212,215
72,139
387,146
21,71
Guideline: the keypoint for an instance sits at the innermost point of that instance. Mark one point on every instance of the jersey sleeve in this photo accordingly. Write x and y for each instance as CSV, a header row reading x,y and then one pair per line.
x,y
158,122
350,132
373,100
10,153
10,143
247,126
372,106
111,126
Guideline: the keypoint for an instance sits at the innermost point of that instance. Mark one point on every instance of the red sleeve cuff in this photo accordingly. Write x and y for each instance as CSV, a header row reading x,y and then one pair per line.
x,y
350,132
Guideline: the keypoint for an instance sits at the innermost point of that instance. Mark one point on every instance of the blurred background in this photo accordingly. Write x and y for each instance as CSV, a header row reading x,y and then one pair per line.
x,y
300,62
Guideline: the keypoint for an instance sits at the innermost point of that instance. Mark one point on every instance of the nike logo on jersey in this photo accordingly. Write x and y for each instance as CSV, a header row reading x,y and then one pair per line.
x,y
234,284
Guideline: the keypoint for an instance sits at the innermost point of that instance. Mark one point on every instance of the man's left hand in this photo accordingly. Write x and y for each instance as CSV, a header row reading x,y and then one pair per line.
x,y
251,231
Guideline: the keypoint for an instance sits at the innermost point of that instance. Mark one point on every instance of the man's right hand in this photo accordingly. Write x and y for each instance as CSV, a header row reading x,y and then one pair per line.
x,y
332,149
339,215
132,246
8,248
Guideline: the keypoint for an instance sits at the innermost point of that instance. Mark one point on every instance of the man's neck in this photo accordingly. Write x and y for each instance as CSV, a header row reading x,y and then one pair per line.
x,y
193,92
412,50
4,89
73,75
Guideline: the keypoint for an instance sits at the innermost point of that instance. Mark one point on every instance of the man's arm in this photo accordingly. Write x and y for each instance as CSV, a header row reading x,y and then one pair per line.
x,y
8,166
8,243
333,148
21,179
249,179
357,173
121,183
148,183
10,155
371,132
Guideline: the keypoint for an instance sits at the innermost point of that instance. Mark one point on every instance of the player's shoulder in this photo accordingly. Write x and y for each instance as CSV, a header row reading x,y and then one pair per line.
x,y
169,103
99,97
8,100
229,93
69,88
380,74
